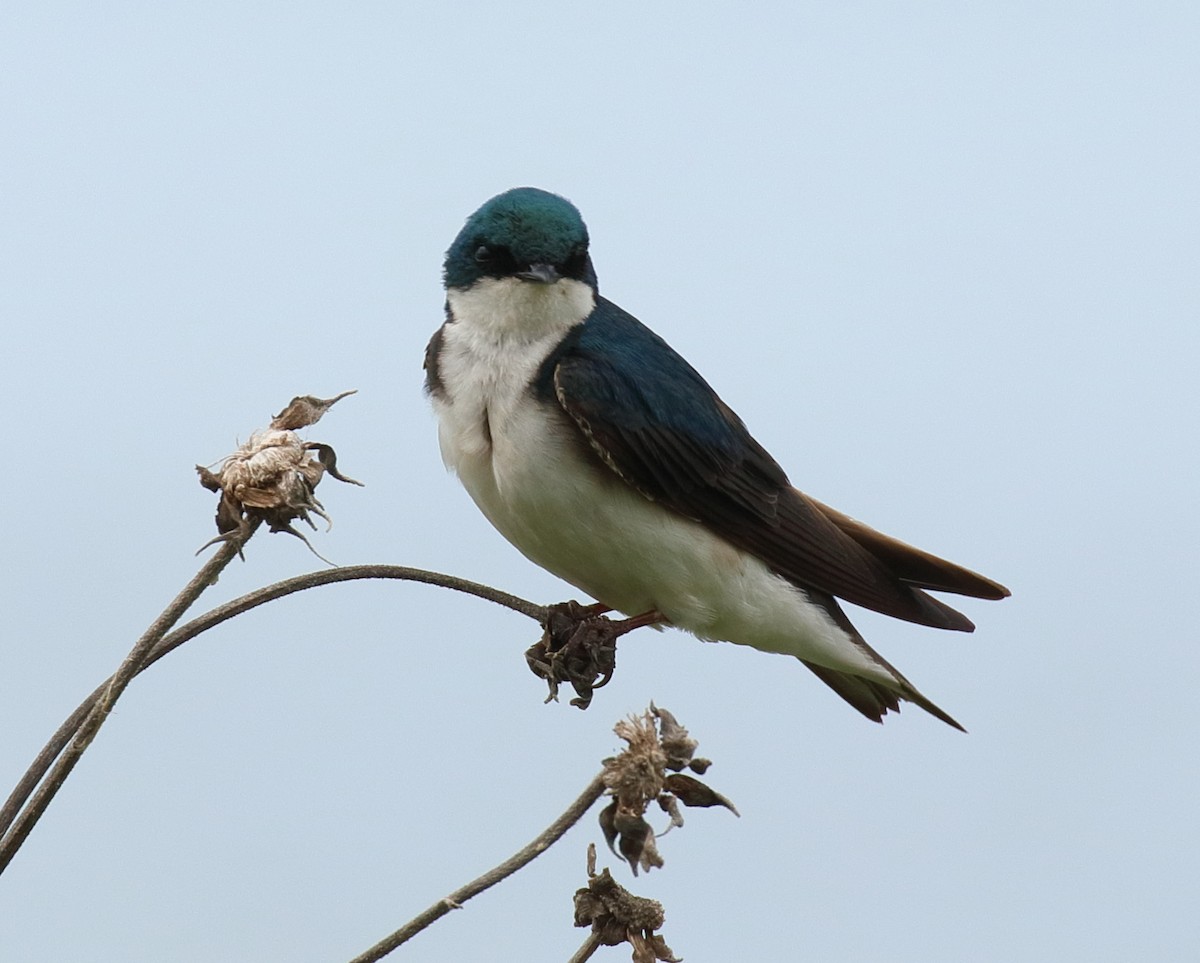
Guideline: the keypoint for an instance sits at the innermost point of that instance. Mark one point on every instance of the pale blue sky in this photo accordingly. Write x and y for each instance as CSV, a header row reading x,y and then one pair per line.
x,y
942,258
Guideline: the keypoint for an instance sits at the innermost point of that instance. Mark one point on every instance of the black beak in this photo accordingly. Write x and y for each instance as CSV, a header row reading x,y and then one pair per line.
x,y
541,273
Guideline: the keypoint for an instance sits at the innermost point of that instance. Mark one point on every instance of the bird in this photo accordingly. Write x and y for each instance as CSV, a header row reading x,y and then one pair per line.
x,y
606,459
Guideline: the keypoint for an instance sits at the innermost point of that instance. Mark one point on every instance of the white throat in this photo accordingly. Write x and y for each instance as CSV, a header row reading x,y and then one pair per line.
x,y
500,332
524,311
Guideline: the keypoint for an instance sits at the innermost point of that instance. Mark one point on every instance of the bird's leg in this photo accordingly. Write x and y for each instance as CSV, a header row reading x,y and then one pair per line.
x,y
579,646
653,617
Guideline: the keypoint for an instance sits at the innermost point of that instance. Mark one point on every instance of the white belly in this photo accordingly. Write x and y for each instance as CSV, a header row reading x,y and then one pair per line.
x,y
525,465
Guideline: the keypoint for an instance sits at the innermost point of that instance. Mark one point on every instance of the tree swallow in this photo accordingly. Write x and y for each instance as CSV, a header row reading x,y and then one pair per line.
x,y
606,459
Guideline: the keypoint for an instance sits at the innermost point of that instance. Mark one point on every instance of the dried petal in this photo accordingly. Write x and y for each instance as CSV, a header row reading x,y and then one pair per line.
x,y
208,479
670,805
651,948
674,737
608,825
305,410
637,846
692,792
328,458
661,951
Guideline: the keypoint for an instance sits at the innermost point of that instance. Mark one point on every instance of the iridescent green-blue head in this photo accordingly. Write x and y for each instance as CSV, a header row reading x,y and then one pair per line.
x,y
526,233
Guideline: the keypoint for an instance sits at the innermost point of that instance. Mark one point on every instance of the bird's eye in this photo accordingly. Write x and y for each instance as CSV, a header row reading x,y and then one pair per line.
x,y
483,254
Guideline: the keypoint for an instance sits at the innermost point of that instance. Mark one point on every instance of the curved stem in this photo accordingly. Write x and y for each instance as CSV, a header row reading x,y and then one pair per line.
x,y
163,644
106,697
551,835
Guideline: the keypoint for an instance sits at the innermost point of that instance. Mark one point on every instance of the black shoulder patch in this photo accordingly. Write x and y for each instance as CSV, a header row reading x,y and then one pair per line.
x,y
433,379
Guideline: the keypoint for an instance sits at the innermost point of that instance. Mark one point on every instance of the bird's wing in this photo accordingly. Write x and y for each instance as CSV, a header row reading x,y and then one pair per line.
x,y
654,421
913,565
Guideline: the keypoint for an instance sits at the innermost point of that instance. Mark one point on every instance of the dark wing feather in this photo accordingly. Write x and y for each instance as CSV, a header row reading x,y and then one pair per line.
x,y
914,565
654,421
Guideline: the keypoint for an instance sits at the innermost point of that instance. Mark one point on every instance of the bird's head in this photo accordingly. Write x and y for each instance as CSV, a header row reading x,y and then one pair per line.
x,y
524,233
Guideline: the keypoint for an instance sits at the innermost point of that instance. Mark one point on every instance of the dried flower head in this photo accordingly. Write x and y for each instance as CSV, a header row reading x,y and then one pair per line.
x,y
579,646
617,916
273,476
649,770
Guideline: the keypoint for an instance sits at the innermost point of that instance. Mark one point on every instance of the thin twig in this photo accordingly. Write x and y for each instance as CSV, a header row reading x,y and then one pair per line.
x,y
350,573
455,900
590,945
223,613
111,692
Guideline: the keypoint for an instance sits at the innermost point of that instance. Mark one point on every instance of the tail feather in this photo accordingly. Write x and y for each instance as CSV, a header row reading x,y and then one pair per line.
x,y
873,698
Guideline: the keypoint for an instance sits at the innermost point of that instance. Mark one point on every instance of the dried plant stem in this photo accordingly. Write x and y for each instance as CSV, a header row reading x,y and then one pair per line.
x,y
351,573
89,724
590,945
160,645
455,900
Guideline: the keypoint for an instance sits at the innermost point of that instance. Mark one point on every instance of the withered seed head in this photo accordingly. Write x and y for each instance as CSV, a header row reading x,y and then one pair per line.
x,y
648,771
274,475
617,916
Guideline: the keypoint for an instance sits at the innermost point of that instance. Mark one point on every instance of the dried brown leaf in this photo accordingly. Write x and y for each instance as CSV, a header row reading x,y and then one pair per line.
x,y
692,792
305,410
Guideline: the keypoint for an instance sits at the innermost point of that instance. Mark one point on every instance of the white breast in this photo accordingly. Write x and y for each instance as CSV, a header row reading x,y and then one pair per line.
x,y
502,332
525,465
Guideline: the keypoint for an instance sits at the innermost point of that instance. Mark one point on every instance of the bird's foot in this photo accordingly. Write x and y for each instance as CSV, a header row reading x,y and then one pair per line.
x,y
579,646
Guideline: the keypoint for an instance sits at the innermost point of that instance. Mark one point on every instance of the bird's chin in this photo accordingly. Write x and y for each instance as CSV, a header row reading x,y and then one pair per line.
x,y
525,309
